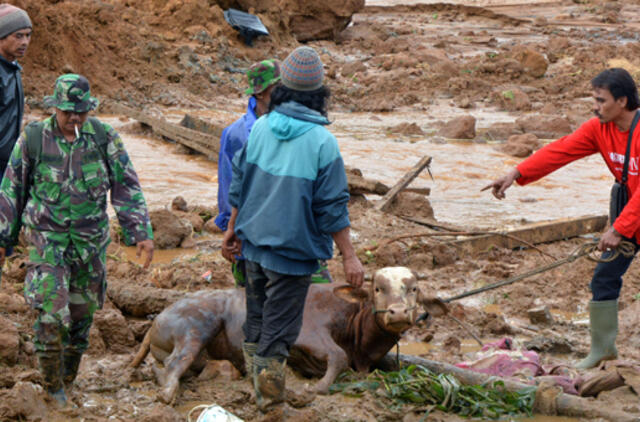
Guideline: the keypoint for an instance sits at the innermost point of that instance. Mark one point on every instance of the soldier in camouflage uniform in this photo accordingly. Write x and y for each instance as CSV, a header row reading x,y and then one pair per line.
x,y
59,195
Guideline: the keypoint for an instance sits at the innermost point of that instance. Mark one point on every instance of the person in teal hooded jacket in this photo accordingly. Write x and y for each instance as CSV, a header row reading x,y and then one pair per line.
x,y
289,197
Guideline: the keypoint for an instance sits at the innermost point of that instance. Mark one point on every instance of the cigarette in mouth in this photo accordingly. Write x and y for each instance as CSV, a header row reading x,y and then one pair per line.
x,y
77,133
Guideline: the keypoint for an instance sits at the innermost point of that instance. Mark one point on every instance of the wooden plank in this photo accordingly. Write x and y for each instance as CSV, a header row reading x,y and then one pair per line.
x,y
386,200
534,234
201,125
202,142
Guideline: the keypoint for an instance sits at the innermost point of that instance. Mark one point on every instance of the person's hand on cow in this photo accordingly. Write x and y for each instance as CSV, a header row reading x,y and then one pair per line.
x,y
353,270
147,247
500,185
609,240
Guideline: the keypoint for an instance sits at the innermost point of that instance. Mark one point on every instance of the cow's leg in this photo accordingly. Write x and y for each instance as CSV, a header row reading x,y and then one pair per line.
x,y
160,373
183,355
337,361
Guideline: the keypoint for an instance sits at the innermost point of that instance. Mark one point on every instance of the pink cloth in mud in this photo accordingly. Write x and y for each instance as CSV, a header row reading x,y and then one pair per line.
x,y
503,359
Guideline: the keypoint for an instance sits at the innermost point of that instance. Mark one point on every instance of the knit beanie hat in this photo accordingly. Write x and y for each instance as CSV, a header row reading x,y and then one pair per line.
x,y
302,70
12,19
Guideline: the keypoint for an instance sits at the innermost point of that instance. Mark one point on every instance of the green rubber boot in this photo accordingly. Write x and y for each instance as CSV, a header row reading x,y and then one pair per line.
x,y
603,317
268,381
248,350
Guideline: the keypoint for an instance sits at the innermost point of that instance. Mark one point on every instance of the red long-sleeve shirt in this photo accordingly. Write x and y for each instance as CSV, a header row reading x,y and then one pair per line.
x,y
588,139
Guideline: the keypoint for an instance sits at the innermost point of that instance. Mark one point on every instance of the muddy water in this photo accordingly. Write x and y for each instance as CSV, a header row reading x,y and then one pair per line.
x,y
165,174
459,169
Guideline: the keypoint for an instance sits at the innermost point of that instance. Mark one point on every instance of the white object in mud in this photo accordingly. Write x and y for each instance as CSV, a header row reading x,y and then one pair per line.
x,y
213,413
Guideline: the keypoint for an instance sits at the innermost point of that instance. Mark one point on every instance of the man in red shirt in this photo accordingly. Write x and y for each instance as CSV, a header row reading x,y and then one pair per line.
x,y
615,104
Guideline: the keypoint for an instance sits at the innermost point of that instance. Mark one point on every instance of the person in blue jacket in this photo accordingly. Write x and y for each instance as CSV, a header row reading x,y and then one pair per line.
x,y
289,197
263,77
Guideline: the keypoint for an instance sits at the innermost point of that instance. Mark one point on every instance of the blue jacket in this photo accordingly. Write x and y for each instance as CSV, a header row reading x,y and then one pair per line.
x,y
291,191
233,138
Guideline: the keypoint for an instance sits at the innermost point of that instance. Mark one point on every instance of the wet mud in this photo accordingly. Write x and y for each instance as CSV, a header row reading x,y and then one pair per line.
x,y
408,79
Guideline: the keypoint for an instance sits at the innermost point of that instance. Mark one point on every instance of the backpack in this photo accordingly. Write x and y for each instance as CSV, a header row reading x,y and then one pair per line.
x,y
33,132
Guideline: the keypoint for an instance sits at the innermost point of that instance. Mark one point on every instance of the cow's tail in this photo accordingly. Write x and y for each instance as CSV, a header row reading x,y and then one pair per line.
x,y
144,350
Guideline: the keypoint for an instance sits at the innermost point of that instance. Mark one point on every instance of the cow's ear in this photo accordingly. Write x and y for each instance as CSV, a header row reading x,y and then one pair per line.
x,y
434,306
351,294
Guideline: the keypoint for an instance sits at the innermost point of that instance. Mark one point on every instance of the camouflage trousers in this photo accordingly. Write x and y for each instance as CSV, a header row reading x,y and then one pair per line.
x,y
65,297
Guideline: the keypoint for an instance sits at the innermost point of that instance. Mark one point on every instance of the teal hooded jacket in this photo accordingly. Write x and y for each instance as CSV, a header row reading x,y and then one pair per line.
x,y
290,188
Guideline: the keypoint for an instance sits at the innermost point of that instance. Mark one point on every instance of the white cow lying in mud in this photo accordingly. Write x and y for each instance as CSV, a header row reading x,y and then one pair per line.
x,y
342,327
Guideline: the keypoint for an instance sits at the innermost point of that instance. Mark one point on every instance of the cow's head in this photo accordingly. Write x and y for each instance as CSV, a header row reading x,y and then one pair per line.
x,y
396,298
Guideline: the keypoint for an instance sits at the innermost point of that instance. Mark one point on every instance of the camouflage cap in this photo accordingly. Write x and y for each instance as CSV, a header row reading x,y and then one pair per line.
x,y
72,93
262,75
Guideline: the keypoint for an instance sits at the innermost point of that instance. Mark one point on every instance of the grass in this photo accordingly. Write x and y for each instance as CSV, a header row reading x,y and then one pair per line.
x,y
417,386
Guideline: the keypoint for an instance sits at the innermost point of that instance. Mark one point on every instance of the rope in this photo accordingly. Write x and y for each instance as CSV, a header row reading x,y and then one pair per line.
x,y
587,249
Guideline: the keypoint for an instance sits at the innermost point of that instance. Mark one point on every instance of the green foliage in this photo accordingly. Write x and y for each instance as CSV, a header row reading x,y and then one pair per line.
x,y
369,257
508,95
205,215
418,386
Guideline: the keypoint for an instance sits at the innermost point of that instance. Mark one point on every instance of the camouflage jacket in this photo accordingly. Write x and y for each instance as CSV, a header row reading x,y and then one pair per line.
x,y
63,201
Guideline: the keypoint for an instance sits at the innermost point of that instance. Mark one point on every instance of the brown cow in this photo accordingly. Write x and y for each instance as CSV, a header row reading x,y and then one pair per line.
x,y
342,326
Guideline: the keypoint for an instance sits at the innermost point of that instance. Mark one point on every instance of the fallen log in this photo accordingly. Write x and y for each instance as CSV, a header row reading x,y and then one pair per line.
x,y
561,403
140,301
202,142
201,125
388,198
533,234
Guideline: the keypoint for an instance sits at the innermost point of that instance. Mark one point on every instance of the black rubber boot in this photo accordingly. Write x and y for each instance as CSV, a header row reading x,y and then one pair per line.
x,y
51,369
70,370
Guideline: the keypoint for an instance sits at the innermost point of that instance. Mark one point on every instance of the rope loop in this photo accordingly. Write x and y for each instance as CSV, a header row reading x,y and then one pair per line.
x,y
590,250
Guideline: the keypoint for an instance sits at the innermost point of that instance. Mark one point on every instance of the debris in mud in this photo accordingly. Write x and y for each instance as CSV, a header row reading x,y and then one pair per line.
x,y
250,26
540,315
513,99
546,344
543,126
532,62
521,145
169,230
427,61
412,204
459,128
406,129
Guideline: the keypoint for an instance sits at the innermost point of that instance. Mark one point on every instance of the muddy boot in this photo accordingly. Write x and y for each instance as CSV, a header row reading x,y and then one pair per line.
x,y
603,318
51,369
268,381
248,350
70,369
